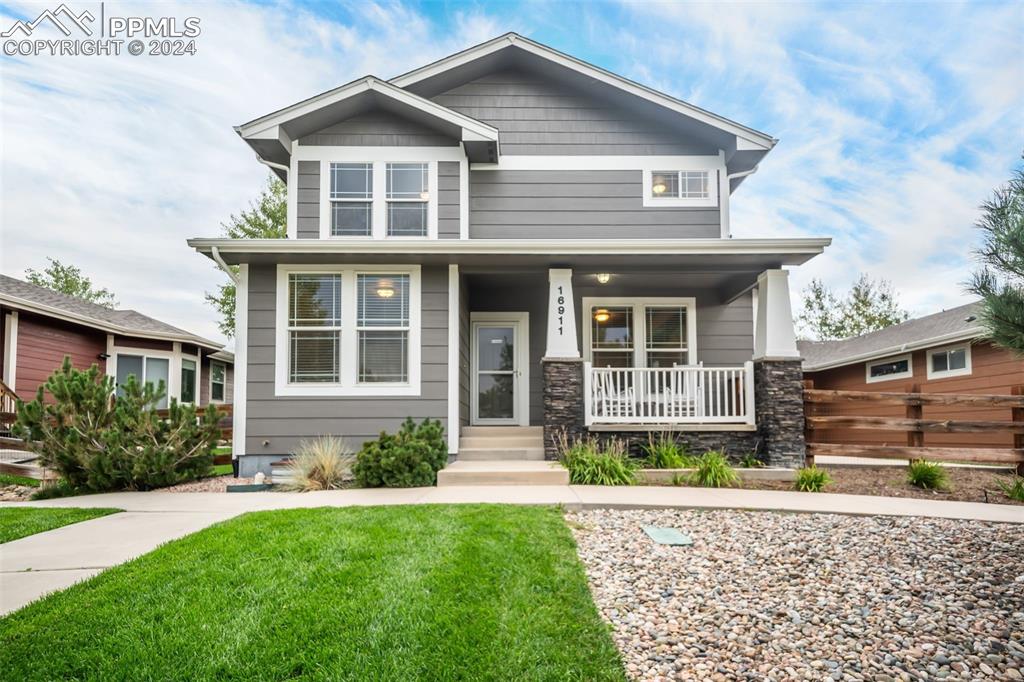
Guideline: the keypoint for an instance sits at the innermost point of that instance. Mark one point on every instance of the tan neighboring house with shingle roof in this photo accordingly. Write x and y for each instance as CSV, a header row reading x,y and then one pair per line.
x,y
940,353
41,327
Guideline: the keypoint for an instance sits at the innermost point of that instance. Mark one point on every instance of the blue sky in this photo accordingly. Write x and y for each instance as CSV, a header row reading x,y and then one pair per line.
x,y
895,122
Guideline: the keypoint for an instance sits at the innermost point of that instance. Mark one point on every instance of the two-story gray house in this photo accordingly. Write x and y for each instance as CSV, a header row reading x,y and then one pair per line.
x,y
517,243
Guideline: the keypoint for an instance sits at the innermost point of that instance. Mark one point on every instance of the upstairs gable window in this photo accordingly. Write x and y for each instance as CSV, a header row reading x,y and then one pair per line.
x,y
407,199
351,199
374,199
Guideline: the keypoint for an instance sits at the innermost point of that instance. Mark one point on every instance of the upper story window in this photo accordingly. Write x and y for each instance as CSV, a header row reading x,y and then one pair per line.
x,y
408,194
900,367
680,188
351,199
952,361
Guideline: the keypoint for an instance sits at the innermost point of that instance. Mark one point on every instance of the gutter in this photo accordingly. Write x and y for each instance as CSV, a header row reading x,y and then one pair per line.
x,y
215,255
952,337
272,164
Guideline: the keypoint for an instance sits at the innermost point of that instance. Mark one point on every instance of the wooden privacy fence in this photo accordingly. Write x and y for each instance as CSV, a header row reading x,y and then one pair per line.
x,y
225,422
915,425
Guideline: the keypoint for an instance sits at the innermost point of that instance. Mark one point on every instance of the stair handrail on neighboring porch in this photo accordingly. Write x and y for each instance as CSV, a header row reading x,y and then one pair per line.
x,y
8,409
687,394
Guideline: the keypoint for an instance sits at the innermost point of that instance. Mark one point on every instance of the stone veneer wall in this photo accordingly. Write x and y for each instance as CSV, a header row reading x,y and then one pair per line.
x,y
779,400
734,444
563,402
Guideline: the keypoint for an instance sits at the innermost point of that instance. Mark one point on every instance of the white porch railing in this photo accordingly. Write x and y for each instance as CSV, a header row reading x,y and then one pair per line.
x,y
690,394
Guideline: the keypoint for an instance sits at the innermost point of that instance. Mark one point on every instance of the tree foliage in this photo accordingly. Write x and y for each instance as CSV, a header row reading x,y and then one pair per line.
x,y
97,443
266,218
68,279
1000,281
867,307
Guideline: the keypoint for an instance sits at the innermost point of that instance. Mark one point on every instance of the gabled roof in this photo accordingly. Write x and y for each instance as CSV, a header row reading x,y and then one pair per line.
x,y
21,295
271,135
949,326
750,139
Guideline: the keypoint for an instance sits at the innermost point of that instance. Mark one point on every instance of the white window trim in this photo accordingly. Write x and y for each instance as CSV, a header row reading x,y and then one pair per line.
x,y
651,201
909,357
348,385
379,203
640,323
949,373
223,364
175,356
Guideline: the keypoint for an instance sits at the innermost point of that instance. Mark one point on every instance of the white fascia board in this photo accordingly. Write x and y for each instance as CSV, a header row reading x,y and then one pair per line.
x,y
756,138
262,128
965,335
48,311
581,247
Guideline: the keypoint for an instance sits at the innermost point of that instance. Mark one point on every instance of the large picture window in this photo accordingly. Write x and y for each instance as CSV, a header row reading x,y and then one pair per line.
x,y
625,332
348,330
146,370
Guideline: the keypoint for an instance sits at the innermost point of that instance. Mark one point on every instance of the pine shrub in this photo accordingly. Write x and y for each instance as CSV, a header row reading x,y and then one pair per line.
x,y
408,459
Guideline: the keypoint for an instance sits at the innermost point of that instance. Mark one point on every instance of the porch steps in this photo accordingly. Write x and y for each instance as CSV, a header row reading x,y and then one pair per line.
x,y
502,472
280,472
501,443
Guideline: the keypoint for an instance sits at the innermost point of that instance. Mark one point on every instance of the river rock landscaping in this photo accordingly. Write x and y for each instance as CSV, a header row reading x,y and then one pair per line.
x,y
763,595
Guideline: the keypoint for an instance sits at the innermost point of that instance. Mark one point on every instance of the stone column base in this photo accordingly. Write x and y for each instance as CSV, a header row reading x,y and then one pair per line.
x,y
779,405
563,402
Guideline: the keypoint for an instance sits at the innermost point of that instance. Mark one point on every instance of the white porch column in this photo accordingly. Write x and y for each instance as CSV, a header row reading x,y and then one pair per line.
x,y
774,337
10,368
561,316
454,306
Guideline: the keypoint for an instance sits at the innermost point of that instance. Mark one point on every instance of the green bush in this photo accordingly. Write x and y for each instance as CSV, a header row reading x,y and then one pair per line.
x,y
1014,489
97,443
321,464
591,464
750,461
714,471
811,480
408,459
927,475
665,452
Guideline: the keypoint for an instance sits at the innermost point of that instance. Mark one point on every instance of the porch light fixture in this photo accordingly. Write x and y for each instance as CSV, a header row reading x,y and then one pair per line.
x,y
659,188
602,315
603,277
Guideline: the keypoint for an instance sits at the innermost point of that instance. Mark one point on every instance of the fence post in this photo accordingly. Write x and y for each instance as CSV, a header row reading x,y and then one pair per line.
x,y
915,439
1017,415
808,431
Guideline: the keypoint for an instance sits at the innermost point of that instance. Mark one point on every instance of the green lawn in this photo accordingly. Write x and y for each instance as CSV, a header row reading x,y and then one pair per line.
x,y
19,522
11,479
221,469
473,592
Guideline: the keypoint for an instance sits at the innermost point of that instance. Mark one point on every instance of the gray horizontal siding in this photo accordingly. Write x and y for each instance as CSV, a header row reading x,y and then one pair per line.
x,y
538,116
565,204
285,421
308,196
378,129
448,200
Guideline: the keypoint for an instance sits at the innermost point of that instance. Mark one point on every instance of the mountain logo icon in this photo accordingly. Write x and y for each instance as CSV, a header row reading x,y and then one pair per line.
x,y
54,17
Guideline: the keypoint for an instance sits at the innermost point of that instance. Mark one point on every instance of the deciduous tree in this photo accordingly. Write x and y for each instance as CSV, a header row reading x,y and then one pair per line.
x,y
867,307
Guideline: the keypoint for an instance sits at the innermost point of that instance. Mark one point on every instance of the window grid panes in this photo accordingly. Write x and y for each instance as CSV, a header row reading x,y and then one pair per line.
x,y
314,328
407,197
680,184
218,374
351,195
382,327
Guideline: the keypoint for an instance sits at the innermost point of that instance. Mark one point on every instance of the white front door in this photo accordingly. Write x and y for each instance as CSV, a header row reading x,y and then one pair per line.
x,y
500,348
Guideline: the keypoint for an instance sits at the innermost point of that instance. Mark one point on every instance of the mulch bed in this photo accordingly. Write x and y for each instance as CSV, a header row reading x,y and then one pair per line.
x,y
965,485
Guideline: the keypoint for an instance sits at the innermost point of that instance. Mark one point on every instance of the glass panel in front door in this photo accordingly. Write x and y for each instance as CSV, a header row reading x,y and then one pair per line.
x,y
496,370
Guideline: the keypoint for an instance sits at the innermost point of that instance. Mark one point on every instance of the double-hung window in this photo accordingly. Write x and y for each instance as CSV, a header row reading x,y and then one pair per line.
x,y
351,199
314,328
347,330
407,197
625,332
218,381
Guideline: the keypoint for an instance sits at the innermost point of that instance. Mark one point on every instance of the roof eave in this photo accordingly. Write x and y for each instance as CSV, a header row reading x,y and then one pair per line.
x,y
910,346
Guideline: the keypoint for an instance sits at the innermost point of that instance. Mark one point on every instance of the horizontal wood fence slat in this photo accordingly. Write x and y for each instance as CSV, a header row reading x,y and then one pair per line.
x,y
915,425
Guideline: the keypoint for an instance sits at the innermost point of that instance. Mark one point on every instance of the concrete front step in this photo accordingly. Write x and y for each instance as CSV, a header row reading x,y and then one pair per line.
x,y
470,442
504,472
473,431
497,454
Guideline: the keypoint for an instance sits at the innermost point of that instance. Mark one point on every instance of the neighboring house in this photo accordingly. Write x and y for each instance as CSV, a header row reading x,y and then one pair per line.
x,y
510,237
940,353
41,327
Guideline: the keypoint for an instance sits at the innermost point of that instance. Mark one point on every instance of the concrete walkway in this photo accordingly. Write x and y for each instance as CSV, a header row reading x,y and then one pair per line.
x,y
33,566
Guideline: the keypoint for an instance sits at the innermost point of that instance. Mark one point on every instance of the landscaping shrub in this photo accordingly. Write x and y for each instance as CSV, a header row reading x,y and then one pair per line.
x,y
97,443
665,452
408,459
927,475
321,464
1014,489
750,461
811,480
591,464
714,471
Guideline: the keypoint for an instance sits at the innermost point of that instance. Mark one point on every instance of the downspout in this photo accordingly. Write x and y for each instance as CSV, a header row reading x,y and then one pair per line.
x,y
215,254
726,218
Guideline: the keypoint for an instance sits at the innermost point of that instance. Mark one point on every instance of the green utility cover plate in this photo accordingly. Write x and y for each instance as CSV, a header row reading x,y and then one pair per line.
x,y
252,488
667,536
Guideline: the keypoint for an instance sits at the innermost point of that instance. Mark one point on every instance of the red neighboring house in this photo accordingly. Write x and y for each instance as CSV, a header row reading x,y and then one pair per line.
x,y
40,327
940,353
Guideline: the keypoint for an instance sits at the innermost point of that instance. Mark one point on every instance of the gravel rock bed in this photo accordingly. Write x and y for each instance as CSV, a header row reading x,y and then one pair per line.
x,y
763,595
214,484
16,493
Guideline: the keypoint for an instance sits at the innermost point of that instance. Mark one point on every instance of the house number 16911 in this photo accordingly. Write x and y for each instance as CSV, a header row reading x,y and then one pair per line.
x,y
561,311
